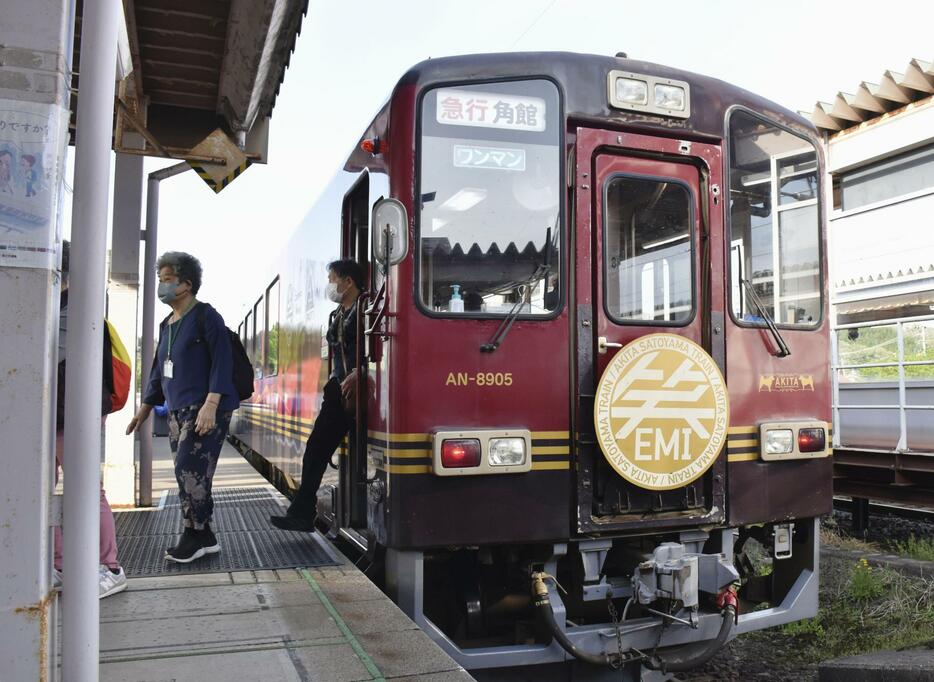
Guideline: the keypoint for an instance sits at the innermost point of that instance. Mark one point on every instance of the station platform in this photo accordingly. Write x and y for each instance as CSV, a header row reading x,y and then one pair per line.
x,y
300,623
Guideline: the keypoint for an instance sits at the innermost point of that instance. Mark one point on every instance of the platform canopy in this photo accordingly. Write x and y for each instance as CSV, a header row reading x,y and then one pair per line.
x,y
872,101
192,67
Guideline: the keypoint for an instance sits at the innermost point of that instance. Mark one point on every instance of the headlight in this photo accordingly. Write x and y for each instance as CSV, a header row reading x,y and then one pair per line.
x,y
506,451
779,441
669,97
632,91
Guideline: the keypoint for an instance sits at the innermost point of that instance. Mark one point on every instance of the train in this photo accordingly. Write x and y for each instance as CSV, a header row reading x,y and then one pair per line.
x,y
595,348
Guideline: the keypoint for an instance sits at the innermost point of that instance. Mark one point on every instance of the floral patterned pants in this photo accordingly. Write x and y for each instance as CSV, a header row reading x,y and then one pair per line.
x,y
195,462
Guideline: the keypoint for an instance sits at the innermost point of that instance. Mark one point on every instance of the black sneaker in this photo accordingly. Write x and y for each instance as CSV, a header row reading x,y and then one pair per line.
x,y
209,540
188,531
289,522
189,549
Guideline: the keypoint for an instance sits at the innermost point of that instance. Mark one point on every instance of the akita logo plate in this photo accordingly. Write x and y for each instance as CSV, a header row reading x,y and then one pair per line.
x,y
661,412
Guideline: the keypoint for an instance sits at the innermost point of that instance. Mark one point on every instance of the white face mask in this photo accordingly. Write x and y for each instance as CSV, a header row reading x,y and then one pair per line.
x,y
332,293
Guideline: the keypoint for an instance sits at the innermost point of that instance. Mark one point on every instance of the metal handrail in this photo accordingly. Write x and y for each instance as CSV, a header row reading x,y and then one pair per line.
x,y
900,363
884,407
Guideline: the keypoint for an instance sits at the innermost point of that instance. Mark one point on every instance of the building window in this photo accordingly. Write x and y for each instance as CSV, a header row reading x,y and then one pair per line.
x,y
894,177
774,228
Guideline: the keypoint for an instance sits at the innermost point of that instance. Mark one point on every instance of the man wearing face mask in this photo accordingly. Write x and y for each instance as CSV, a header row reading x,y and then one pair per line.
x,y
345,281
193,373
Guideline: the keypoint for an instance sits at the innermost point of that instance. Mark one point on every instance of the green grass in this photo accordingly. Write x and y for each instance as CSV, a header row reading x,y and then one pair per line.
x,y
917,548
865,584
864,609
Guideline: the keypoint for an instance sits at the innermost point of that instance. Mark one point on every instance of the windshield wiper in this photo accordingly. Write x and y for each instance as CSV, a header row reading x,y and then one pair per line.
x,y
541,271
783,350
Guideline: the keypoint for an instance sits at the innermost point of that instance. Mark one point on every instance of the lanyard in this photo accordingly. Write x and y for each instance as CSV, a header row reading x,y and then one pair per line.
x,y
179,321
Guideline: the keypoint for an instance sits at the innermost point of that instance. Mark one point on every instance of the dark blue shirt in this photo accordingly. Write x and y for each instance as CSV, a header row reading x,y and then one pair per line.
x,y
202,362
342,341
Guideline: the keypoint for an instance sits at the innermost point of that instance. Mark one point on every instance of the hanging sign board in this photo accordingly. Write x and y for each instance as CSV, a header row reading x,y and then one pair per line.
x,y
218,176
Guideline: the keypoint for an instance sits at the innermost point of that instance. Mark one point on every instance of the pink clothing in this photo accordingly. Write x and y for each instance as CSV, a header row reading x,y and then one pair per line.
x,y
108,544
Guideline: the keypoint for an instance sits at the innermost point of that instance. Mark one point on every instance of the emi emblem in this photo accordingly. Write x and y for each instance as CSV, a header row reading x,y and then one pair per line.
x,y
661,412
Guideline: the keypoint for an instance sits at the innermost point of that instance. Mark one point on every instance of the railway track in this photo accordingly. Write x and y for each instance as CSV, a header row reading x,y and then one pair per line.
x,y
887,509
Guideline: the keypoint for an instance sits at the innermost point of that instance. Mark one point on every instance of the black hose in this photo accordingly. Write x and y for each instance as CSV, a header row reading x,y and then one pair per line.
x,y
543,607
690,656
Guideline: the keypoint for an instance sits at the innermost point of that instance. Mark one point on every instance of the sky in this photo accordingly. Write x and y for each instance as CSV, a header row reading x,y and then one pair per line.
x,y
351,53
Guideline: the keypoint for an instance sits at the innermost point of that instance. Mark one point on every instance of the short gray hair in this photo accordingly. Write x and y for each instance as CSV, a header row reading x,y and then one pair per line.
x,y
185,266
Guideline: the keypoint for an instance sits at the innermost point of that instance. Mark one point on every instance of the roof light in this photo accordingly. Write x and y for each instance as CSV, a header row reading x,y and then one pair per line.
x,y
648,94
669,97
632,91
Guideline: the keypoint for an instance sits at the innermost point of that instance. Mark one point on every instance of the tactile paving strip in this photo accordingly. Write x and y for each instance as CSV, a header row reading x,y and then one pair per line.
x,y
241,523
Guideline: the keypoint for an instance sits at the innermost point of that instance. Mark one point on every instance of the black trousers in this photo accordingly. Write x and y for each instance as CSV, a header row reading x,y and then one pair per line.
x,y
331,425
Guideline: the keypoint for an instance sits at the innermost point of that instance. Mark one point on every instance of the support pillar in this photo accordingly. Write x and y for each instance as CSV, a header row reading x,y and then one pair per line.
x,y
147,342
122,307
35,51
88,276
860,517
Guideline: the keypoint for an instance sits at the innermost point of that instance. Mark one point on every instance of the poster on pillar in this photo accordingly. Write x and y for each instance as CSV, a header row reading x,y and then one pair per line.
x,y
32,151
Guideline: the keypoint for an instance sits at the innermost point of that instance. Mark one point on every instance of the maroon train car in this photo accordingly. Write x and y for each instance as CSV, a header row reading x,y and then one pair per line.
x,y
596,360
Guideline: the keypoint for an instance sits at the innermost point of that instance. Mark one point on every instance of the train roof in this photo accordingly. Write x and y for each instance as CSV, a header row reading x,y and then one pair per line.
x,y
582,80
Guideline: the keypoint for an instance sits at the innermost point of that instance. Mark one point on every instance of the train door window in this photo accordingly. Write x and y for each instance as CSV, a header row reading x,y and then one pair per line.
x,y
649,263
490,199
259,318
271,365
774,224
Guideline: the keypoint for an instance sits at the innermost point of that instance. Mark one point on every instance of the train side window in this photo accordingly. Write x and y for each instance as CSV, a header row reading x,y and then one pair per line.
x,y
774,224
259,317
271,364
248,335
648,247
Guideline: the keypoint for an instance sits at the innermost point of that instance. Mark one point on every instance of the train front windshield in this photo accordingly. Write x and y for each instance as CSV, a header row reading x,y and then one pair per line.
x,y
490,189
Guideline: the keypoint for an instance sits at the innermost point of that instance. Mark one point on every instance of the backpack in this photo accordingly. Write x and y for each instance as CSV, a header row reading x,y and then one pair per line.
x,y
242,376
116,377
242,367
116,368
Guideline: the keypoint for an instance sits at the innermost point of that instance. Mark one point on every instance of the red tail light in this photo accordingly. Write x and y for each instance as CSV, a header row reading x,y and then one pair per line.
x,y
460,453
811,440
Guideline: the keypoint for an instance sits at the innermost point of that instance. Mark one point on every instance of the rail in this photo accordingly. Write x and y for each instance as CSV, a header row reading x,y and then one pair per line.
x,y
838,367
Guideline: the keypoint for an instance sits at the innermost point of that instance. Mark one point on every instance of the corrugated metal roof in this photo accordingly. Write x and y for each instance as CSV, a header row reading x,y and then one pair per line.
x,y
894,91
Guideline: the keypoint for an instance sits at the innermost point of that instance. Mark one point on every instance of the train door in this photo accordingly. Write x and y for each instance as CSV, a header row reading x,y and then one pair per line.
x,y
355,219
649,395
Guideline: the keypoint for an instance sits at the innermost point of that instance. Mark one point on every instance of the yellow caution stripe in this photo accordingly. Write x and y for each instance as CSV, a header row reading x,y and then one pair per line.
x,y
217,186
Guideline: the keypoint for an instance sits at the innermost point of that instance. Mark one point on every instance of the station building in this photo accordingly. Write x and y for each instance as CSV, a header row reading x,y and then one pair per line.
x,y
879,146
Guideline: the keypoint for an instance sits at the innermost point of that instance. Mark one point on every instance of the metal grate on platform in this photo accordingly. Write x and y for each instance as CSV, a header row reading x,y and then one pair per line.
x,y
241,523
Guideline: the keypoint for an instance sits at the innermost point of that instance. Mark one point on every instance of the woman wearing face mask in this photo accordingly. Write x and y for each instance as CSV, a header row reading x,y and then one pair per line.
x,y
193,373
